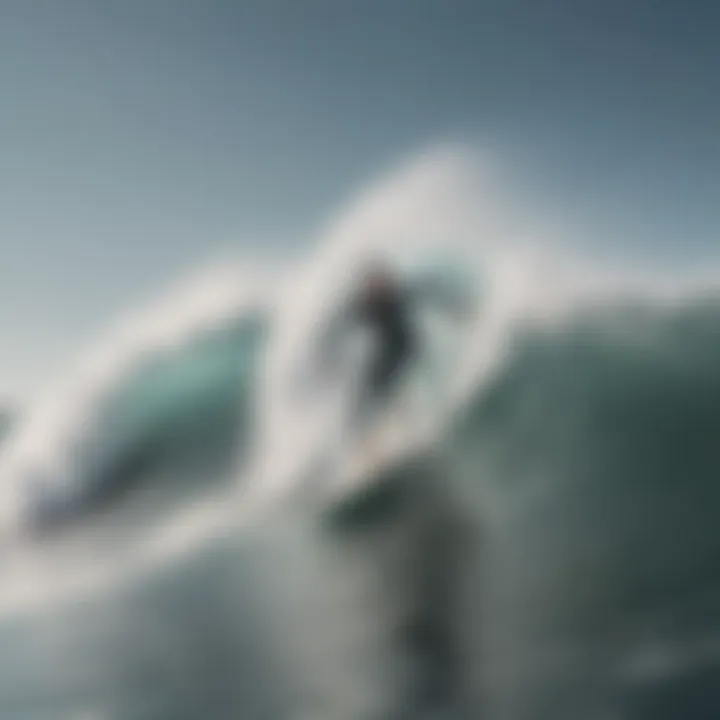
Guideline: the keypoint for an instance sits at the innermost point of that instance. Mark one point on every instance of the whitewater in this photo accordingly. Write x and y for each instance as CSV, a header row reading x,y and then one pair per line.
x,y
162,557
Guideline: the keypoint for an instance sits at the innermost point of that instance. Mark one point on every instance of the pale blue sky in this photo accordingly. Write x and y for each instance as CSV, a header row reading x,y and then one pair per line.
x,y
136,136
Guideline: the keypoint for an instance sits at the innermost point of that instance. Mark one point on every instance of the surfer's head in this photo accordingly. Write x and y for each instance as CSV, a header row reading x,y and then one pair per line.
x,y
378,279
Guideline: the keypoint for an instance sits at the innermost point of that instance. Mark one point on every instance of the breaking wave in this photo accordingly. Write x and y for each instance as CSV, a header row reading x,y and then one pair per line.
x,y
558,558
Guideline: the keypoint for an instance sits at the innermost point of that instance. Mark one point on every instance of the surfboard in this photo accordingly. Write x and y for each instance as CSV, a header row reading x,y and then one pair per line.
x,y
377,466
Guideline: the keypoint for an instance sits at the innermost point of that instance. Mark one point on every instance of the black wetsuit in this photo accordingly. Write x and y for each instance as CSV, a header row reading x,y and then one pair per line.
x,y
388,312
388,316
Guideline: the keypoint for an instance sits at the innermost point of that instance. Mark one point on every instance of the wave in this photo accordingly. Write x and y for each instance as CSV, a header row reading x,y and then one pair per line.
x,y
582,471
557,559
137,396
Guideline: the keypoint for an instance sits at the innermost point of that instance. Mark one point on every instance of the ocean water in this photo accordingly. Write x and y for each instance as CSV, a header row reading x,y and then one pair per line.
x,y
572,571
555,557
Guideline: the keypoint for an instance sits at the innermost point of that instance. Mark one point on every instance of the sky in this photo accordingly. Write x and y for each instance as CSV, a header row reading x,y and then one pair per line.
x,y
140,137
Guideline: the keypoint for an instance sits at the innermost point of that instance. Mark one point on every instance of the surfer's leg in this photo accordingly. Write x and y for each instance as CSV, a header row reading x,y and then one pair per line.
x,y
392,368
374,394
377,386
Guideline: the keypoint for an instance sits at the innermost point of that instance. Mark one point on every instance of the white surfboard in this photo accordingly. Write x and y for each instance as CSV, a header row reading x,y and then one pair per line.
x,y
401,435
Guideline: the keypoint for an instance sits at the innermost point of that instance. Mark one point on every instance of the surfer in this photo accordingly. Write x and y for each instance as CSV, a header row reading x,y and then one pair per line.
x,y
385,304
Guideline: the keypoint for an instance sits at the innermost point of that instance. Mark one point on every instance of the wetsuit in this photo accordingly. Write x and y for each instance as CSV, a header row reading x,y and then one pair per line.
x,y
388,316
